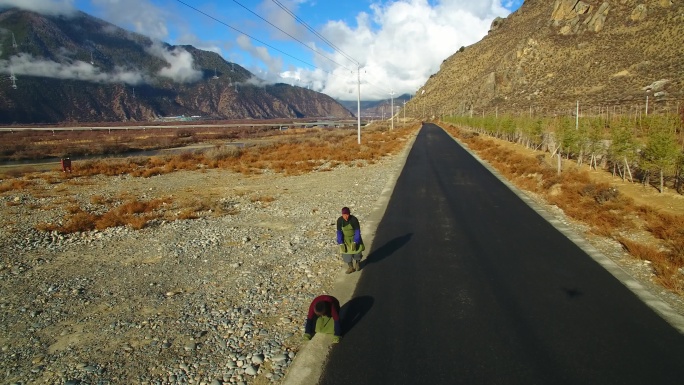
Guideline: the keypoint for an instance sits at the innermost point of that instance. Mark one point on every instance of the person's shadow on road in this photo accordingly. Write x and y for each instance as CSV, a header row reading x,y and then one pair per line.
x,y
387,249
353,311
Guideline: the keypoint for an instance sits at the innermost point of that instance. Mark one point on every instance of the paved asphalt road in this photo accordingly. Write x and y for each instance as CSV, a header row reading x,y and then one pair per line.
x,y
465,284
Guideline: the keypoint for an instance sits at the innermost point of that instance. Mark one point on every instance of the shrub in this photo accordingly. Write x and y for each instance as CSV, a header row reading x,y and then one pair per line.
x,y
79,222
14,184
262,199
601,192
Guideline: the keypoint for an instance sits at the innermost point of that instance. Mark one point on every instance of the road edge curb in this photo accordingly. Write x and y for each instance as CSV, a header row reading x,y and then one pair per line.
x,y
307,366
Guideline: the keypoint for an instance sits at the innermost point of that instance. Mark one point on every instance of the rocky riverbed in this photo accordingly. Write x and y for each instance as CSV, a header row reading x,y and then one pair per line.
x,y
216,300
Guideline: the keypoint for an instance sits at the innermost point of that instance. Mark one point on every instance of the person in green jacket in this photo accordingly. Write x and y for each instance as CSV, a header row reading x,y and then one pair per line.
x,y
350,241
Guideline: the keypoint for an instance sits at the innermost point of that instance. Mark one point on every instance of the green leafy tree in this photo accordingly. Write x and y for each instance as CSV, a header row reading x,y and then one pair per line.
x,y
594,143
622,149
661,152
679,174
568,137
507,128
532,131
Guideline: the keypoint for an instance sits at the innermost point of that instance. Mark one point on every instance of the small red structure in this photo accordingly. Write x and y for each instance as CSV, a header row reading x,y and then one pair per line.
x,y
66,164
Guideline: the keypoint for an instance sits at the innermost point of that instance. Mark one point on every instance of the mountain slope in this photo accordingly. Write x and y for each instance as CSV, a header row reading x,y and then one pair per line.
x,y
376,109
549,55
80,68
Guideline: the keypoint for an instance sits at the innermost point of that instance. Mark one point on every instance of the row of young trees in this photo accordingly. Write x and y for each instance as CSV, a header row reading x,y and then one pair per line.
x,y
635,148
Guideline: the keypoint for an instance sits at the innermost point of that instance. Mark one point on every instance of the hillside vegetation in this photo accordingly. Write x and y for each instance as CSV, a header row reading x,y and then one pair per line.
x,y
549,55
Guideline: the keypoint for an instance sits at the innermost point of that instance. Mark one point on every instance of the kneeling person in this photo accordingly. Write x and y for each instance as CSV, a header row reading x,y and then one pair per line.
x,y
323,317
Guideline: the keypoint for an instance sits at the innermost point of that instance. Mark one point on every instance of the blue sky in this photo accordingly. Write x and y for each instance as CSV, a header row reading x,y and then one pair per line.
x,y
396,44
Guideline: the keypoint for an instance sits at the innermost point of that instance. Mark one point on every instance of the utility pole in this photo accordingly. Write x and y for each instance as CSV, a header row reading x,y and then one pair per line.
x,y
392,96
405,111
358,103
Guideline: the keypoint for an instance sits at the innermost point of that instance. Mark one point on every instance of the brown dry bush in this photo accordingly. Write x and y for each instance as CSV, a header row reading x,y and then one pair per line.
x,y
133,213
187,214
665,264
220,153
73,209
197,204
262,199
99,200
79,222
109,219
600,192
139,207
139,222
149,172
110,167
15,184
519,165
17,172
52,179
47,227
668,227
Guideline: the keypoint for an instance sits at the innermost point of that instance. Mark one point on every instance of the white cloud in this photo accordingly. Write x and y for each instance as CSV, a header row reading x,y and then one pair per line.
x,y
180,68
45,7
399,45
282,19
181,63
273,64
25,64
140,15
193,40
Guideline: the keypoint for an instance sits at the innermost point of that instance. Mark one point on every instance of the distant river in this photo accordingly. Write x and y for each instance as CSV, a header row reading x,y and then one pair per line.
x,y
166,151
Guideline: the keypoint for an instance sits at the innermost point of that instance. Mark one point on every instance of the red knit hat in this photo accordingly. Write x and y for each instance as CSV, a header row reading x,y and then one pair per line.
x,y
345,210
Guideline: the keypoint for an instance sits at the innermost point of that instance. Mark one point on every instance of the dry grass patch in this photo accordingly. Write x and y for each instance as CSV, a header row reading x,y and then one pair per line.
x,y
297,154
665,264
294,155
263,200
99,200
133,213
15,184
17,172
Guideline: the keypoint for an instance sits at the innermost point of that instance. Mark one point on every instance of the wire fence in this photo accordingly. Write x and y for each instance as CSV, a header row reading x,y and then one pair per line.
x,y
635,146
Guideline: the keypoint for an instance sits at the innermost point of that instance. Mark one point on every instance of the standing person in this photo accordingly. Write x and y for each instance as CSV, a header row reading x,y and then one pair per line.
x,y
323,310
349,239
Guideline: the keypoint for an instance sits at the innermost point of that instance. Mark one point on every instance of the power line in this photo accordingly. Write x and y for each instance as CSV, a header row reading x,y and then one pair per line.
x,y
257,40
294,38
333,46
251,37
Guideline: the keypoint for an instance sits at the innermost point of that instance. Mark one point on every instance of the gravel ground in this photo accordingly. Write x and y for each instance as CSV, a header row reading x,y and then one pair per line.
x,y
215,300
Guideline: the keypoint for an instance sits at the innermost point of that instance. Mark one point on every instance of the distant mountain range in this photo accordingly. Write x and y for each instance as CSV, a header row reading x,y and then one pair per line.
x,y
376,109
83,69
550,55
